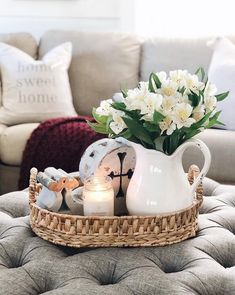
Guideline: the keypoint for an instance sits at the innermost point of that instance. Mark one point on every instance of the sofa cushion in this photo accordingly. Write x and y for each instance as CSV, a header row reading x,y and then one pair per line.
x,y
12,142
222,74
101,64
162,54
22,41
202,265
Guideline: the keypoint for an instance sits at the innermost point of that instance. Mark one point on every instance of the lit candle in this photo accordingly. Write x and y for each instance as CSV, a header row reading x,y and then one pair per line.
x,y
98,196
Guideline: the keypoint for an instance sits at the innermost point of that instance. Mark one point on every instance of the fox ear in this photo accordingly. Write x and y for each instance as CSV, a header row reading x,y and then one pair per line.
x,y
59,56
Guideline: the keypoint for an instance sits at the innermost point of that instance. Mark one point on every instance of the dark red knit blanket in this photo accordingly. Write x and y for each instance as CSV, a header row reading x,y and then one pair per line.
x,y
59,143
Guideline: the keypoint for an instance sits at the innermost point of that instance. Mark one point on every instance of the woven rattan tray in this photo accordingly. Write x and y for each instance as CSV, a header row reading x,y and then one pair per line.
x,y
133,231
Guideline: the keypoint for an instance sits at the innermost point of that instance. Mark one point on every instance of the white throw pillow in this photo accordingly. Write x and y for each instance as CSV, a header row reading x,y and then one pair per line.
x,y
35,90
222,74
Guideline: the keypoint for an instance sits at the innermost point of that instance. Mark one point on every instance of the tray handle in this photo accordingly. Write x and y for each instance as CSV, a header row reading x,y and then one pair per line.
x,y
193,173
33,185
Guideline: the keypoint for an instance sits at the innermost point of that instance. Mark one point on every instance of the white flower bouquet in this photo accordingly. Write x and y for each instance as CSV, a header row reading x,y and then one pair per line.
x,y
162,113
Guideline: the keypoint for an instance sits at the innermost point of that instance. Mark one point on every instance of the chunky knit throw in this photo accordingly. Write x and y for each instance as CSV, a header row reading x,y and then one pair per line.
x,y
59,143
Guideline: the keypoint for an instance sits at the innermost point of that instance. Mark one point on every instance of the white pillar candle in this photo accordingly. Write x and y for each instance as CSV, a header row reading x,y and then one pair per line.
x,y
98,196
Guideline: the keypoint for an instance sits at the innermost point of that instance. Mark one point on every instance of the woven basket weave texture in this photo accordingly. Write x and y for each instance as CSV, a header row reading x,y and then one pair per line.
x,y
113,231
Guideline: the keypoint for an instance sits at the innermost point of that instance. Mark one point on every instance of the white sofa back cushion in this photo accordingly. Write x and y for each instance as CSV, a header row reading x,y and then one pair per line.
x,y
222,74
166,54
102,63
163,54
34,91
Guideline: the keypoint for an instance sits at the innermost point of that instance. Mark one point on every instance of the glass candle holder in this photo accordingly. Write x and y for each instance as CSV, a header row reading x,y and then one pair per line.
x,y
98,196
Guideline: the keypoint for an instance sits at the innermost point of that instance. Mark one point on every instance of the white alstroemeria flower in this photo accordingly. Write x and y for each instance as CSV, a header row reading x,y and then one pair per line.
x,y
179,77
167,125
114,112
199,112
169,88
118,125
151,103
168,103
210,103
141,99
162,76
118,97
181,115
135,96
147,117
183,98
105,107
193,84
210,89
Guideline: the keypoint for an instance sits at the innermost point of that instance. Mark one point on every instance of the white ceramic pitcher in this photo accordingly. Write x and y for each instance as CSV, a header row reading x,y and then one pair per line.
x,y
159,183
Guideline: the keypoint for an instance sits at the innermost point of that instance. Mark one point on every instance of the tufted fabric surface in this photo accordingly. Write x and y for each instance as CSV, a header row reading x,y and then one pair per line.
x,y
203,265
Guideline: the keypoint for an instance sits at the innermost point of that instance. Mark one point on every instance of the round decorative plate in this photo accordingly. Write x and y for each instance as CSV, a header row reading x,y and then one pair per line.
x,y
107,157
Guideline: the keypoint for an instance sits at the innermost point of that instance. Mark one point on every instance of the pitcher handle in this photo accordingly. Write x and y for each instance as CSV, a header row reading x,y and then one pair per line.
x,y
207,159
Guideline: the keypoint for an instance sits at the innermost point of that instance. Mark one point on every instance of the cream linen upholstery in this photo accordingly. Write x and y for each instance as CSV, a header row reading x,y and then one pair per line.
x,y
222,146
101,64
22,41
2,128
162,54
12,143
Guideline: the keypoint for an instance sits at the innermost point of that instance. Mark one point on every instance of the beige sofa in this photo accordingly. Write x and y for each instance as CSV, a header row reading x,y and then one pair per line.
x,y
101,64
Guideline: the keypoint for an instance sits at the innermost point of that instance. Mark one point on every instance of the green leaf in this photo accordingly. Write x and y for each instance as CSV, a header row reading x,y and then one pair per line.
x,y
135,114
222,96
126,134
201,93
200,122
157,117
200,72
138,130
99,118
171,142
109,120
151,86
159,143
220,123
151,127
99,128
194,98
213,120
124,92
181,90
153,79
191,134
120,106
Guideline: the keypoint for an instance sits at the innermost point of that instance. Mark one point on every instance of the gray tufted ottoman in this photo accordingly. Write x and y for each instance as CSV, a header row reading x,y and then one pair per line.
x,y
202,265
